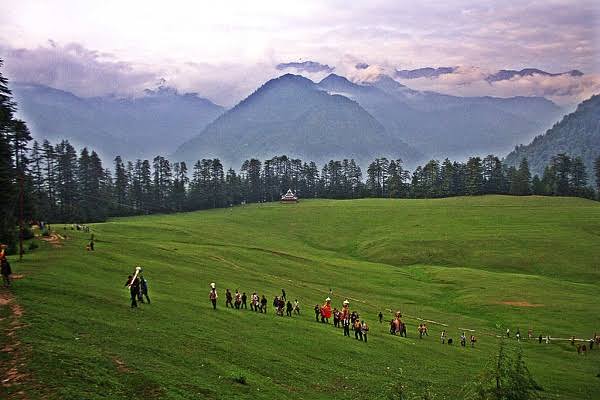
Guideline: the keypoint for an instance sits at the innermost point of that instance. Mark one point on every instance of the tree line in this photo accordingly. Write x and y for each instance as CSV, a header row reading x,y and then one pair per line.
x,y
57,183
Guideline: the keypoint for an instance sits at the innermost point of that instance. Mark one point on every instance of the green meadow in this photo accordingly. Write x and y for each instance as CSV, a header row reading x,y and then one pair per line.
x,y
478,263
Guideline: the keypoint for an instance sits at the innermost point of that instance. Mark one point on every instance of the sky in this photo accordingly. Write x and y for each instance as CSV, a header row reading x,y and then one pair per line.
x,y
224,50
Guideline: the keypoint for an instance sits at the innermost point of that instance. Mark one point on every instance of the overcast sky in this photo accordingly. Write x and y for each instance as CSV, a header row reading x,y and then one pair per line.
x,y
224,49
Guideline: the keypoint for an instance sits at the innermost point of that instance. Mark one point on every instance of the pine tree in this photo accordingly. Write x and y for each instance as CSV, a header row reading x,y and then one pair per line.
x,y
474,177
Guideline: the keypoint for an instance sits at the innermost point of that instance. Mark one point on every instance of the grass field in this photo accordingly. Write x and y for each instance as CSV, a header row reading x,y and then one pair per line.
x,y
483,263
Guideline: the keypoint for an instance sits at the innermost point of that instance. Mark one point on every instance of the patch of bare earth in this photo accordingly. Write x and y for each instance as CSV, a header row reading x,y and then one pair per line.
x,y
121,367
12,375
520,304
54,239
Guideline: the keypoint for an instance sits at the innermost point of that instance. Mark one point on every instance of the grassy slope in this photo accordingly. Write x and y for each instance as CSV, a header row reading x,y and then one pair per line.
x,y
450,260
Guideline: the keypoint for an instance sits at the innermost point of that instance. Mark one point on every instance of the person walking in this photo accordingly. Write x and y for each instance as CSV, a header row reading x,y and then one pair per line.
x,y
144,289
212,295
238,299
473,340
380,317
244,299
364,329
283,295
134,289
289,308
346,325
5,271
317,312
443,337
296,307
358,330
463,340
263,304
228,298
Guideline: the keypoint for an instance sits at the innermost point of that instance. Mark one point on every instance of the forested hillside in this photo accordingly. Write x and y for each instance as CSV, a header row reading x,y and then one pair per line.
x,y
577,135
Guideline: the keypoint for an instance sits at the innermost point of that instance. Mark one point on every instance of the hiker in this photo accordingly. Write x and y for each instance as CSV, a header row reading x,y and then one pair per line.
x,y
296,307
547,339
5,271
591,344
584,349
463,340
425,330
252,299
530,334
450,341
473,340
540,339
393,327
336,318
281,307
358,330
244,298
443,337
91,244
578,348
326,311
380,317
421,331
238,299
572,340
289,308
518,335
364,329
228,298
507,332
346,326
144,289
263,304
212,295
134,289
283,295
275,303
317,312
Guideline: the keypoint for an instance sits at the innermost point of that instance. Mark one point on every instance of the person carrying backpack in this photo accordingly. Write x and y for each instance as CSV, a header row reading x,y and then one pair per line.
x,y
364,329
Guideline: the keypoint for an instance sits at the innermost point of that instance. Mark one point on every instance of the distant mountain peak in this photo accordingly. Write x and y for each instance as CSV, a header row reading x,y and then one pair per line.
x,y
426,72
506,74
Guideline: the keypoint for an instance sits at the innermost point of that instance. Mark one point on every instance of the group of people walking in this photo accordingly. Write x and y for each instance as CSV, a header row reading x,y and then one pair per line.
x,y
323,313
239,300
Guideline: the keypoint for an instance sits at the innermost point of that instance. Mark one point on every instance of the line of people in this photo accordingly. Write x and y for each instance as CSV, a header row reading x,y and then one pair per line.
x,y
342,319
239,300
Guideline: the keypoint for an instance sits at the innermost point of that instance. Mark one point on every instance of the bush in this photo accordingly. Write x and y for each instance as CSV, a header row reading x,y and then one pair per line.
x,y
33,245
27,233
45,232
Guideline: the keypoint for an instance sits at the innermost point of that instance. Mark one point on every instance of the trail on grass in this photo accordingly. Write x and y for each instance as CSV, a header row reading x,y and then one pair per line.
x,y
12,372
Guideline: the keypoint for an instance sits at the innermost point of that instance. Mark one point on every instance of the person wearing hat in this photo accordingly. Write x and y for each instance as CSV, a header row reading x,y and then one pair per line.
x,y
213,295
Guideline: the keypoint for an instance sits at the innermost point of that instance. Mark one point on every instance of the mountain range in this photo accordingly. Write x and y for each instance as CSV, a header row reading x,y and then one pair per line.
x,y
577,134
140,127
293,115
333,118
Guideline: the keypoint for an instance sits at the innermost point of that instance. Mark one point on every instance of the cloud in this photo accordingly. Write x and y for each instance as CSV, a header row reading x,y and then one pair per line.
x,y
305,66
74,68
564,89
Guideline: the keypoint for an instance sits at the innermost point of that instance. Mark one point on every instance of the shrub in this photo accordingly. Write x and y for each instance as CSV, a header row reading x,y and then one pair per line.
x,y
33,245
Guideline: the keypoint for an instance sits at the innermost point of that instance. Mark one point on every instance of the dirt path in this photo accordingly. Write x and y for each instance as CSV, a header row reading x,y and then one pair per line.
x,y
54,239
12,375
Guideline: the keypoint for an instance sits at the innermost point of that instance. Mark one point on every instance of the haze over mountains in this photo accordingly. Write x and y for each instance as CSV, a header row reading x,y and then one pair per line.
x,y
333,118
139,127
